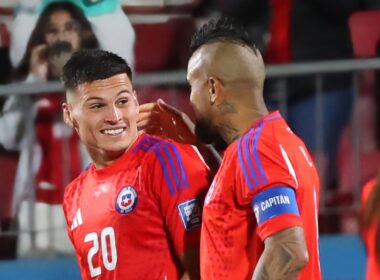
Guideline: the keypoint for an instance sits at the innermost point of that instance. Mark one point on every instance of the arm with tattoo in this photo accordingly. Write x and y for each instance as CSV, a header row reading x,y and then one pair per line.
x,y
284,256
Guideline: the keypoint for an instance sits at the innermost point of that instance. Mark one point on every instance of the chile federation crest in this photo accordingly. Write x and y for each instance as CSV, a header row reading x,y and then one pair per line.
x,y
126,200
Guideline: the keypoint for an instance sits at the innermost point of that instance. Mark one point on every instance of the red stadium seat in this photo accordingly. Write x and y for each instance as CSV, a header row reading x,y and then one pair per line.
x,y
163,45
365,32
8,163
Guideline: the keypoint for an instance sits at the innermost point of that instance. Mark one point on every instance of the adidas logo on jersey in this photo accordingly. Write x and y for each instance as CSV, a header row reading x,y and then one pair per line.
x,y
77,220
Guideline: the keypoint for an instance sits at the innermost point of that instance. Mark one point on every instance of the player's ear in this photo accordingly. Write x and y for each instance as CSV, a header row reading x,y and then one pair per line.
x,y
67,117
215,87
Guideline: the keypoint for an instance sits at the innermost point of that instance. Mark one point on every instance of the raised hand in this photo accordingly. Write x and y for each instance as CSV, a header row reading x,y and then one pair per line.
x,y
164,120
38,61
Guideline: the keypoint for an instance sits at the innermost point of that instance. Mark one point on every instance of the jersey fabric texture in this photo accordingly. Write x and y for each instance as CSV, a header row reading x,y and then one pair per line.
x,y
267,182
131,220
369,236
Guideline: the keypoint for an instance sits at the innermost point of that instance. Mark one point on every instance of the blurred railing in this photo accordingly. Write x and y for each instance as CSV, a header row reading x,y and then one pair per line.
x,y
178,78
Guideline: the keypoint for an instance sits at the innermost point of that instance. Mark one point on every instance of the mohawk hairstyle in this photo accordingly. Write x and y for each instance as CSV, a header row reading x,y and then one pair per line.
x,y
91,65
223,29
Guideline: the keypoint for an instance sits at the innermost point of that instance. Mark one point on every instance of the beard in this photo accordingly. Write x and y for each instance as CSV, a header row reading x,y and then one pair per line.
x,y
208,134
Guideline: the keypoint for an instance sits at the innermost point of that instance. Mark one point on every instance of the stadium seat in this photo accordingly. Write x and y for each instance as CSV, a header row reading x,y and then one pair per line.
x,y
168,52
8,163
365,33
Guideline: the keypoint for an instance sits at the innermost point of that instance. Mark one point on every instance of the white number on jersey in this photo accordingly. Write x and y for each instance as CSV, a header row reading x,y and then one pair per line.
x,y
107,240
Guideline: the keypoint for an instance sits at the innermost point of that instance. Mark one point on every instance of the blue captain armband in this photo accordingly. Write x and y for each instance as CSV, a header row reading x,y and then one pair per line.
x,y
273,202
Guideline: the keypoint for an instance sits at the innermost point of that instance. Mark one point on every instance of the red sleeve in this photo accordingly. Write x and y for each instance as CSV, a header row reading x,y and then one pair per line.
x,y
183,180
277,224
263,164
366,190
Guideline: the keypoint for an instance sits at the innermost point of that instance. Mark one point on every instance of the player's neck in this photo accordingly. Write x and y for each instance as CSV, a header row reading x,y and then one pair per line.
x,y
102,160
236,125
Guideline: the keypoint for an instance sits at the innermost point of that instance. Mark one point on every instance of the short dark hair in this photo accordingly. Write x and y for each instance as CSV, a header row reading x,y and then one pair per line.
x,y
90,65
223,29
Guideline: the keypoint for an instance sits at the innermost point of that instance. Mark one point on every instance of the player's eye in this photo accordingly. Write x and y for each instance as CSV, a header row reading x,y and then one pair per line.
x,y
96,106
122,101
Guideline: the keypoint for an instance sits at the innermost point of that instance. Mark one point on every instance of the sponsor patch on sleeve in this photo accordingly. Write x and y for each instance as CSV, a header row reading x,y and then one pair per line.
x,y
274,202
190,212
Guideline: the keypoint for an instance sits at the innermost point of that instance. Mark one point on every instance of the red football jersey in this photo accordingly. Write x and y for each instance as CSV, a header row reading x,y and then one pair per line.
x,y
267,182
131,220
369,236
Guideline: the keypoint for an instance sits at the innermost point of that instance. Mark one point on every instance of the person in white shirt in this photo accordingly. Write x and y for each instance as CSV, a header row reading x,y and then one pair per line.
x,y
104,15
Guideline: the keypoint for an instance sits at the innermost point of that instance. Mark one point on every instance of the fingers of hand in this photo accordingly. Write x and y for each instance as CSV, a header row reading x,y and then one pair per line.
x,y
142,123
147,107
144,116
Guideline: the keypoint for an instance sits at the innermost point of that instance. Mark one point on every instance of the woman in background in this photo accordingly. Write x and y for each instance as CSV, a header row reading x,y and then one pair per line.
x,y
49,150
104,15
62,28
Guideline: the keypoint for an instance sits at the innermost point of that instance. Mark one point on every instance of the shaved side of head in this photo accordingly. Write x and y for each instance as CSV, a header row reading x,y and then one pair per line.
x,y
226,73
237,66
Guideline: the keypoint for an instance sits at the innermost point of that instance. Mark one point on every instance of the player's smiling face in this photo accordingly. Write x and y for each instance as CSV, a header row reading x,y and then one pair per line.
x,y
104,114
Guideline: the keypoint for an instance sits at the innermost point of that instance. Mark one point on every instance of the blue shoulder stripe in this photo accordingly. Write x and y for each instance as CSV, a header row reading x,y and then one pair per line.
x,y
165,170
162,147
242,164
253,177
175,168
256,155
169,159
145,144
180,164
275,116
249,159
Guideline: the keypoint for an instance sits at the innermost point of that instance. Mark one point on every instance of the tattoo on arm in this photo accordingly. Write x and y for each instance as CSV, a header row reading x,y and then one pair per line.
x,y
284,256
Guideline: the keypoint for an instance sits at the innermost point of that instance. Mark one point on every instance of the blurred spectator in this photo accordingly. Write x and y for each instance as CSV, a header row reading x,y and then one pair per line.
x,y
49,150
370,226
5,65
61,29
107,19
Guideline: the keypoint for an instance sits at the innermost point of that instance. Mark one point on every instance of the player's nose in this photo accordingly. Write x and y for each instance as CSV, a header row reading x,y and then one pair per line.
x,y
113,114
